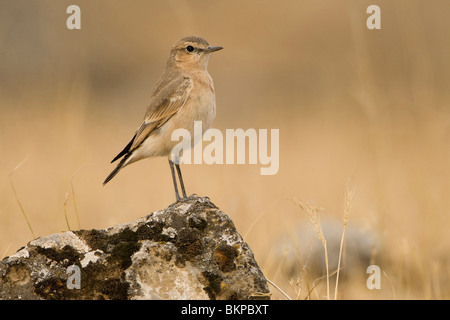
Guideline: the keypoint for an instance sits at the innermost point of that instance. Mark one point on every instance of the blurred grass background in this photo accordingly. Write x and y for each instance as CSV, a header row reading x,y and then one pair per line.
x,y
372,106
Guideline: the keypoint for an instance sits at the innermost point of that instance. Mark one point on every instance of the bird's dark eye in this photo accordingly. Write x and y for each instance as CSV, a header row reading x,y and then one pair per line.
x,y
190,48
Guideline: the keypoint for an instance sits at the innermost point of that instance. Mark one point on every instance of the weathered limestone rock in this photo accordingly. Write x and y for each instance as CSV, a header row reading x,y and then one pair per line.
x,y
191,250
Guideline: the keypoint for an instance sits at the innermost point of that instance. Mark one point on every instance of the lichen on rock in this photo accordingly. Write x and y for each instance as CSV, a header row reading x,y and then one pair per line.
x,y
191,250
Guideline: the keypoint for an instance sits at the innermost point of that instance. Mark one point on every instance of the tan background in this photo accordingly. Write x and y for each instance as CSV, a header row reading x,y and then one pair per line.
x,y
372,106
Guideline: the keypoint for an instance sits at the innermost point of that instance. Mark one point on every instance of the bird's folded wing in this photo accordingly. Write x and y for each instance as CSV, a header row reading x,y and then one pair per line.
x,y
166,101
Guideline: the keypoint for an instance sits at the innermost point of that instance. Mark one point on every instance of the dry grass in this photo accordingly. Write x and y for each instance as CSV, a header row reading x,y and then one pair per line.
x,y
349,198
313,215
349,102
19,203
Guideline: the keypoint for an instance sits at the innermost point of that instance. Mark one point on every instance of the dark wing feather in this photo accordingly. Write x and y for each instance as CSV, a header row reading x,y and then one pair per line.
x,y
125,150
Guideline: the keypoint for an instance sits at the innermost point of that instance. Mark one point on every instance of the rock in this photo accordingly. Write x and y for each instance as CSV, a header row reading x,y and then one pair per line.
x,y
191,250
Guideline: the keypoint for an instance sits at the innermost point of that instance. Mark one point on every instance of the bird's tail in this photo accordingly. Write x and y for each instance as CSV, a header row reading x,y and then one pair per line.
x,y
120,165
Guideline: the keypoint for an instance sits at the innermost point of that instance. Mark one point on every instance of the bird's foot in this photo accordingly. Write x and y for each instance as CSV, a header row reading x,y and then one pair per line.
x,y
192,197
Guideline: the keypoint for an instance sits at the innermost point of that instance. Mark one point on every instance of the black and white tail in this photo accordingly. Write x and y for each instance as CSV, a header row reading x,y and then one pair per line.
x,y
125,152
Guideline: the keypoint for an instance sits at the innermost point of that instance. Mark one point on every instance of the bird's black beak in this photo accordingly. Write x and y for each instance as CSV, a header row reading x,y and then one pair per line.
x,y
213,49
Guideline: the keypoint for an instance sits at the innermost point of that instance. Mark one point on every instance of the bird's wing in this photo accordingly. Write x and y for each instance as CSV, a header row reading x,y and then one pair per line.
x,y
166,101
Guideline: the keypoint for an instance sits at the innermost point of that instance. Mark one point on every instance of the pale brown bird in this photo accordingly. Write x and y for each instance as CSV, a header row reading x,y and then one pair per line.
x,y
183,94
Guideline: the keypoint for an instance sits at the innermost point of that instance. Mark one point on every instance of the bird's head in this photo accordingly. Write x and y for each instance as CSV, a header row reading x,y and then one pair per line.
x,y
191,53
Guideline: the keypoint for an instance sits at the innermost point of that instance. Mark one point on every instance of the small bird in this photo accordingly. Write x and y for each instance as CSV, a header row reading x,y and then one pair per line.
x,y
184,94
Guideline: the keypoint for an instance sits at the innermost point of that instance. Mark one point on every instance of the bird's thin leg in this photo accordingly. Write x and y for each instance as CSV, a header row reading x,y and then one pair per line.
x,y
174,179
181,180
